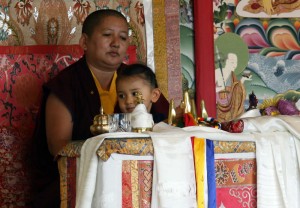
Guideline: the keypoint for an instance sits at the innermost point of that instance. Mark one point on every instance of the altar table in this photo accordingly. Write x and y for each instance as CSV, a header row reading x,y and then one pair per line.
x,y
235,171
259,167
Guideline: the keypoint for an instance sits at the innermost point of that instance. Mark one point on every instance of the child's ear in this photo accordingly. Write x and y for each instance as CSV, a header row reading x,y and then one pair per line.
x,y
155,95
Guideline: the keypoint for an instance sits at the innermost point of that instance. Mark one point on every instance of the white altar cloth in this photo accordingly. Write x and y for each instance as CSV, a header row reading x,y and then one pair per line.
x,y
91,189
277,154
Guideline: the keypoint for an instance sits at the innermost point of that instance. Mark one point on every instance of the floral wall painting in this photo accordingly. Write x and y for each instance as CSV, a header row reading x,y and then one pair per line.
x,y
271,34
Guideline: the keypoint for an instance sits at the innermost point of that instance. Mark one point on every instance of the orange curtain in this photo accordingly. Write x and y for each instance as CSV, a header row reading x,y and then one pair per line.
x,y
204,56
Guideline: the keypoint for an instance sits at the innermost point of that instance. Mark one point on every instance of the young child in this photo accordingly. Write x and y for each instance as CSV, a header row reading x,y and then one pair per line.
x,y
135,79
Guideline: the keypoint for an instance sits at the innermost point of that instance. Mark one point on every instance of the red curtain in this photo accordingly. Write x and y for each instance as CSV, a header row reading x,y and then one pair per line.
x,y
204,56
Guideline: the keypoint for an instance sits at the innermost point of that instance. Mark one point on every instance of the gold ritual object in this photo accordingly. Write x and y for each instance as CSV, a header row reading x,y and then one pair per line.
x,y
188,106
100,123
172,113
139,98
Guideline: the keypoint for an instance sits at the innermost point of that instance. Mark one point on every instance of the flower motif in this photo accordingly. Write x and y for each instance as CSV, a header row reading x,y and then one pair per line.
x,y
124,3
5,31
24,11
124,6
102,4
222,173
139,9
81,10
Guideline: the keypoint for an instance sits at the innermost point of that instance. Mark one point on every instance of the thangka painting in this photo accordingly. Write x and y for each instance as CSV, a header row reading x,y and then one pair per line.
x,y
257,52
59,22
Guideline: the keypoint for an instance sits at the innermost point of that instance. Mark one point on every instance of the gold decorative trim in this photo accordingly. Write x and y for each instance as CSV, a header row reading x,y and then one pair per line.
x,y
62,167
140,130
160,45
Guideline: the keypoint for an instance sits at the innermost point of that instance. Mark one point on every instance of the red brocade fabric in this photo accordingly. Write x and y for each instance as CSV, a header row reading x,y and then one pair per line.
x,y
15,175
23,70
236,183
234,126
137,183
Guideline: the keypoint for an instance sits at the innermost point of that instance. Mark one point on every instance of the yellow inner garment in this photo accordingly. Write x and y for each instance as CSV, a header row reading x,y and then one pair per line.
x,y
108,98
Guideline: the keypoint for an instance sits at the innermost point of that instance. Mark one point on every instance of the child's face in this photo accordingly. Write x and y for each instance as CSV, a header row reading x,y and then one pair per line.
x,y
128,88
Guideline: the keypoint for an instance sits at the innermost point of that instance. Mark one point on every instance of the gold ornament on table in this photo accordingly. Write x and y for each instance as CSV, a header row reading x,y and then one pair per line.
x,y
187,102
193,109
139,98
172,113
203,110
100,123
188,107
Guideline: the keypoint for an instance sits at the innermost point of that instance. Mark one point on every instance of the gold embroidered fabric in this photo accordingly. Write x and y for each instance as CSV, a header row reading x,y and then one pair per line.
x,y
234,147
62,167
160,45
130,146
143,146
72,149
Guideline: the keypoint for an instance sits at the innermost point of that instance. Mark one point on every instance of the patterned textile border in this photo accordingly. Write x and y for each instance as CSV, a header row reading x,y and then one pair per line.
x,y
143,146
63,167
160,45
54,49
234,147
72,149
173,51
135,146
67,171
72,185
137,183
236,182
167,48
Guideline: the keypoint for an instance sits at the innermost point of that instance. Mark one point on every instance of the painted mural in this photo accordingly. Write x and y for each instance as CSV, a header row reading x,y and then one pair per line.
x,y
264,35
187,47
